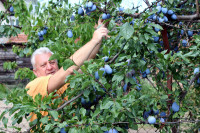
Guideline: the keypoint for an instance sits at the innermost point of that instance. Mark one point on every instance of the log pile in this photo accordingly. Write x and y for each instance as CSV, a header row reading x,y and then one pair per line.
x,y
6,54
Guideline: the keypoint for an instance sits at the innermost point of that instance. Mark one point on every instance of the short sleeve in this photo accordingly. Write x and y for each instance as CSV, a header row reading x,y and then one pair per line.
x,y
39,85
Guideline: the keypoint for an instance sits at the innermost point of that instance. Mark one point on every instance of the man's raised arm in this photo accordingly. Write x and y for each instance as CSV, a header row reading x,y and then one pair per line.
x,y
58,79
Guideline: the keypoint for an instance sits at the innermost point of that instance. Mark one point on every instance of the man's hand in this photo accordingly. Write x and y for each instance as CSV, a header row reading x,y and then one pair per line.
x,y
99,34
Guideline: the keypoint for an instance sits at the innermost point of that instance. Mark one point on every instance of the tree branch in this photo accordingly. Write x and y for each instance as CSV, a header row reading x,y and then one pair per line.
x,y
67,102
188,17
195,78
149,6
115,57
197,7
183,2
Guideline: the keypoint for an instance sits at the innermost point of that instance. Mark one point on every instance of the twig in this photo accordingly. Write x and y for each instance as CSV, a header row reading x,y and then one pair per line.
x,y
193,79
67,102
163,23
151,83
115,57
147,2
183,2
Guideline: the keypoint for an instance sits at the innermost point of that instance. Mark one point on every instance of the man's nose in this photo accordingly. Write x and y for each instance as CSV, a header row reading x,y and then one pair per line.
x,y
49,66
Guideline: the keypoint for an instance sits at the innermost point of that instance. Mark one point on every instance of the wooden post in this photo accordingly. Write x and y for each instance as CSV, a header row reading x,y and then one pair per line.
x,y
169,76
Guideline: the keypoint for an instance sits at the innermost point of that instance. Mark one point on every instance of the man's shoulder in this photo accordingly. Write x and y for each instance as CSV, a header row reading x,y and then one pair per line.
x,y
38,80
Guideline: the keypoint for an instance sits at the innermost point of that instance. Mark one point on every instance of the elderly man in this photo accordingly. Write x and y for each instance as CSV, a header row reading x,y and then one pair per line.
x,y
50,77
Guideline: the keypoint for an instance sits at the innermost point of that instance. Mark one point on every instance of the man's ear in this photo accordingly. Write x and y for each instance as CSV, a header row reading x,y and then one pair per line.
x,y
35,72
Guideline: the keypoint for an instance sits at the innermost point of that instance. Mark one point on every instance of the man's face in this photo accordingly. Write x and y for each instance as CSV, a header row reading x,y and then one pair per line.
x,y
43,66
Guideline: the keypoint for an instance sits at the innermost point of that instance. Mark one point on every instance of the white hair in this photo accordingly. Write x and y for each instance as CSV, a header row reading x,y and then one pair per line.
x,y
42,50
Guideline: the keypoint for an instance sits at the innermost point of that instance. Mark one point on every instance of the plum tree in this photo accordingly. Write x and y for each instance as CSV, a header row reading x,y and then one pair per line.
x,y
138,73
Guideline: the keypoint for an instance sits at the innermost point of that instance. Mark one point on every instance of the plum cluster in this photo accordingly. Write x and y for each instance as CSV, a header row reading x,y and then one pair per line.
x,y
150,115
89,7
163,14
106,70
42,33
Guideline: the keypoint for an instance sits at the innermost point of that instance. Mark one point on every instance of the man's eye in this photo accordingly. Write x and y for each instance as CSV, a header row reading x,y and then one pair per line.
x,y
42,65
52,62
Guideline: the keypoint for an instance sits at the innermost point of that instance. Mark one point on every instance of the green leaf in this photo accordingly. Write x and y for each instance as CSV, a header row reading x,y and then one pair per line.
x,y
54,56
30,8
118,77
73,130
54,114
171,1
67,63
86,93
5,121
82,111
96,112
133,125
107,105
155,25
44,120
129,11
1,29
47,127
164,97
126,30
85,84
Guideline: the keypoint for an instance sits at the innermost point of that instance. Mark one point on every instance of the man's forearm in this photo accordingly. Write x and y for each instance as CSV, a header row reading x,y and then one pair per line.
x,y
86,52
95,51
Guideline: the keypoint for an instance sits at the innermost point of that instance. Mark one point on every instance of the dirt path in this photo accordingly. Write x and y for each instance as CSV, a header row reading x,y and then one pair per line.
x,y
24,124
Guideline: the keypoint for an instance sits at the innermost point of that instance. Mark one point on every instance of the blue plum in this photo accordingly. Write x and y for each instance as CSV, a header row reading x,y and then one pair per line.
x,y
156,39
159,9
96,75
184,43
121,9
90,4
196,70
161,19
105,58
175,107
170,12
147,71
72,18
93,8
174,17
108,69
104,16
156,112
11,9
165,19
113,131
151,120
164,10
80,11
69,34
125,87
41,38
190,33
102,69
